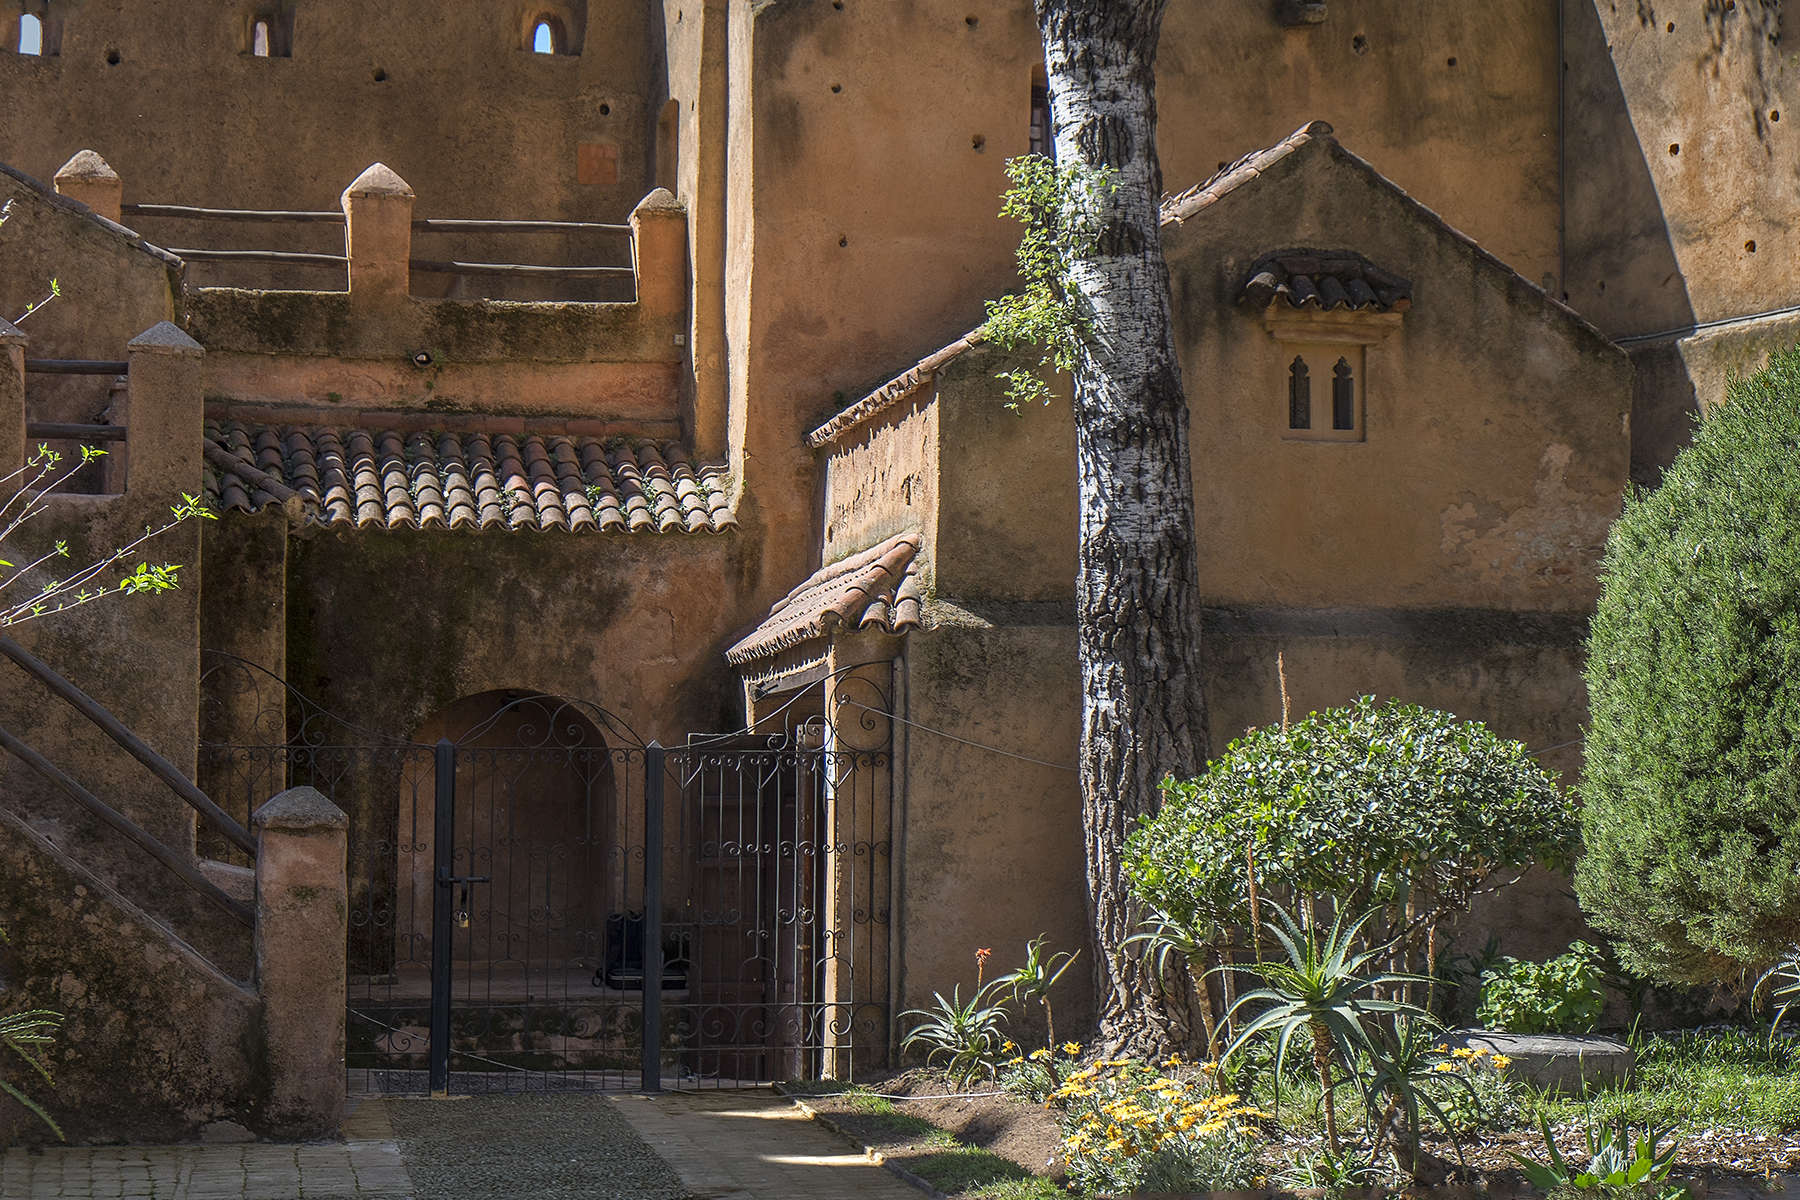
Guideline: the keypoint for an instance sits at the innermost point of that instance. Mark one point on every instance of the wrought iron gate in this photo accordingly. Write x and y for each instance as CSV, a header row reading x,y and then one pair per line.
x,y
542,903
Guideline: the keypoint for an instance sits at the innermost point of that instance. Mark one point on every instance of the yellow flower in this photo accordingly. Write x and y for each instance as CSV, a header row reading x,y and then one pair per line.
x,y
1463,1052
1071,1048
1039,1055
1008,1046
1501,1061
1445,1066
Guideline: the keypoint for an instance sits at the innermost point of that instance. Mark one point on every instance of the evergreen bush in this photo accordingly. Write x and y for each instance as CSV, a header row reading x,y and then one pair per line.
x,y
1691,786
1371,804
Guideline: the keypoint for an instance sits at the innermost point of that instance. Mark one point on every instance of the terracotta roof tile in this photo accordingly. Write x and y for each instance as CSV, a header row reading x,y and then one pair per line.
x,y
386,479
1325,279
876,589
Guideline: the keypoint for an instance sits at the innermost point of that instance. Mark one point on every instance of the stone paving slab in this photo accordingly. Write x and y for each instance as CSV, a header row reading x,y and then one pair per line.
x,y
754,1146
739,1145
366,1165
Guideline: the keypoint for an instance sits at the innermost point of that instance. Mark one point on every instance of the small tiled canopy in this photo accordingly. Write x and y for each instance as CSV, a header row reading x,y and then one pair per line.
x,y
450,480
876,589
1325,280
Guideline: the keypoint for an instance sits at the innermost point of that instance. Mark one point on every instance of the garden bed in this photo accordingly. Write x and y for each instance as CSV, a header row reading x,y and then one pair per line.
x,y
1733,1099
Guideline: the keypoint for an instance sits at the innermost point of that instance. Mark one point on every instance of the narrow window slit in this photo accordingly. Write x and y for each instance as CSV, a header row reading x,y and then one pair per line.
x,y
1343,396
1299,395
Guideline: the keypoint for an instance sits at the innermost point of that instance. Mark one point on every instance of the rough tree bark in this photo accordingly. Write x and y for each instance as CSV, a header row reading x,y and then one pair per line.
x,y
1143,715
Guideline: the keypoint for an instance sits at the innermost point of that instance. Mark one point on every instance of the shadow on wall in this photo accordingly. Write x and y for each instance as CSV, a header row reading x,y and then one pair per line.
x,y
1621,270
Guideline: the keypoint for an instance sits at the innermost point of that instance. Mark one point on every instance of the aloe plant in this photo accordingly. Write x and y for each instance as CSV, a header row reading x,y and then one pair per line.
x,y
967,1036
28,1034
1325,991
1616,1160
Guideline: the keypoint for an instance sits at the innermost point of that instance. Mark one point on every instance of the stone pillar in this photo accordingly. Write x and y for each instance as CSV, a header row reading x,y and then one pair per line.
x,y
12,402
378,210
163,415
859,831
659,255
87,178
302,913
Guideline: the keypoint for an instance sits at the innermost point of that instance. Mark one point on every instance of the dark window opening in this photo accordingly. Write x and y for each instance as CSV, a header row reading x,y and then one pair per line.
x,y
1299,395
1043,140
1343,396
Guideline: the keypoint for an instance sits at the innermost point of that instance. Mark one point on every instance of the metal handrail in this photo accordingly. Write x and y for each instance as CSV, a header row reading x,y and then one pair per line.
x,y
188,873
131,743
274,256
65,429
75,366
191,213
459,225
518,269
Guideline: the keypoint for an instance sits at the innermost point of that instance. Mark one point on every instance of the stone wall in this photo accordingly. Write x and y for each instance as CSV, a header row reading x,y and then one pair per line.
x,y
169,93
125,1070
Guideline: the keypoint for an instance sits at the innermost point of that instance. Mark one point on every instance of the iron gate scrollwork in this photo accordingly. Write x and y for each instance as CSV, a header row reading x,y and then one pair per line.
x,y
541,900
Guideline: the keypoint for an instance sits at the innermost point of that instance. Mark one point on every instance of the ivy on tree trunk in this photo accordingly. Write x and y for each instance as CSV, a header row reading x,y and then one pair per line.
x,y
1143,715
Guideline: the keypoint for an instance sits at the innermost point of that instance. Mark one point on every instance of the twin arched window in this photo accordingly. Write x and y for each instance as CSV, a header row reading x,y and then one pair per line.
x,y
1343,396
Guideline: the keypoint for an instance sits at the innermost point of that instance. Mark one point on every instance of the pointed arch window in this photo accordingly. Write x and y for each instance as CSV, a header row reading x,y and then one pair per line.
x,y
259,38
1343,395
1299,395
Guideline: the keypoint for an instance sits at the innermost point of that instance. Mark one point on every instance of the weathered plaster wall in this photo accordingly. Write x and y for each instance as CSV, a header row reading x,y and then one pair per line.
x,y
899,158
1681,159
389,628
886,481
124,1070
1497,428
989,849
449,96
1682,193
1680,378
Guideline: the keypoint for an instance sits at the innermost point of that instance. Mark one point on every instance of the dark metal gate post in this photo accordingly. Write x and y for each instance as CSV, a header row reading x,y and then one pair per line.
x,y
442,917
654,765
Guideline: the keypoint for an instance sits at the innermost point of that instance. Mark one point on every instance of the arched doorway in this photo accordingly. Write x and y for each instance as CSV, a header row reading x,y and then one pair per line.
x,y
535,835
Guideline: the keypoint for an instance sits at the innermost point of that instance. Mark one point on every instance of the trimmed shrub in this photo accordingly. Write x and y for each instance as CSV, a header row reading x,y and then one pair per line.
x,y
1691,786
1372,804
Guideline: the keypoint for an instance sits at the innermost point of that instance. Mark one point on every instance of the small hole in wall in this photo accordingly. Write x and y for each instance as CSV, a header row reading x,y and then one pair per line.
x,y
1222,164
971,21
1674,148
1360,44
112,58
1750,246
1451,61
606,110
1671,28
978,143
836,88
842,242
380,75
1602,286
1774,115
838,4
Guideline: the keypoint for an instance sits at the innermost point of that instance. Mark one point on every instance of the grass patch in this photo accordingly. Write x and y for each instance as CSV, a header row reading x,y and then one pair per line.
x,y
1735,1079
965,1171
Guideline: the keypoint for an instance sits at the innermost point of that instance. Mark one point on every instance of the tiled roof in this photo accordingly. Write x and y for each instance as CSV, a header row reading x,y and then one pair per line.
x,y
436,479
1325,280
877,589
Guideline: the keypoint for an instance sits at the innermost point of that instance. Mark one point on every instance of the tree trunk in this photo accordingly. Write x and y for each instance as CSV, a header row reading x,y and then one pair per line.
x,y
1138,621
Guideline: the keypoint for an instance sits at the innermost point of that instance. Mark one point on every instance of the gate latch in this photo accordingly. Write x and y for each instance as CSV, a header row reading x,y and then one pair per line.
x,y
462,902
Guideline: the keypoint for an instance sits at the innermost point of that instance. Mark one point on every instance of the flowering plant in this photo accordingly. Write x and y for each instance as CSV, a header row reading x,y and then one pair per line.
x,y
1129,1125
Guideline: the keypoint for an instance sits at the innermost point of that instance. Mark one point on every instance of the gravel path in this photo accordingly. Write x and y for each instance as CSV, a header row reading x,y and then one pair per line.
x,y
505,1147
